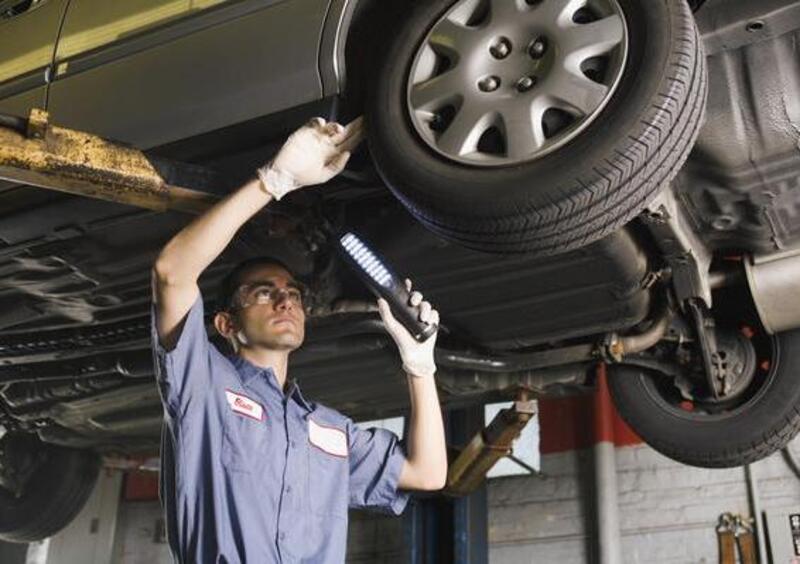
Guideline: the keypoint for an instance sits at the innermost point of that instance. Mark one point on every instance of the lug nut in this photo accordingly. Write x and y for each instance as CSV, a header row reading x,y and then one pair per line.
x,y
526,83
489,84
500,48
538,48
436,123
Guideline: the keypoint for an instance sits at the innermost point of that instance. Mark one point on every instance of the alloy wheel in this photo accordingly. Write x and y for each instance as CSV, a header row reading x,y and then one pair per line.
x,y
500,82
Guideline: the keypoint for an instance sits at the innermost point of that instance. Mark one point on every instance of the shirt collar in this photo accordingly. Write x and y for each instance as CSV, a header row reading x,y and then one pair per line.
x,y
247,370
294,391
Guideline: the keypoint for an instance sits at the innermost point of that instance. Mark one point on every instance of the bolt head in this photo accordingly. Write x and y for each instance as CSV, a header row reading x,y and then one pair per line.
x,y
724,222
489,84
526,83
501,48
538,48
436,123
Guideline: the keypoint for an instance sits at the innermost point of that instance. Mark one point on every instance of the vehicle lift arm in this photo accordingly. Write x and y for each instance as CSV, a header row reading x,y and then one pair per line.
x,y
37,153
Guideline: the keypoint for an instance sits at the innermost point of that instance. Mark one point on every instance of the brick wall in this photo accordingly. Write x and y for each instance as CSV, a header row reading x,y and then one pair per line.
x,y
668,511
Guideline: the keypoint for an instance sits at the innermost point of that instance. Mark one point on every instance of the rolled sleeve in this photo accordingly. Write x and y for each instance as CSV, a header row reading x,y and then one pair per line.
x,y
183,373
376,460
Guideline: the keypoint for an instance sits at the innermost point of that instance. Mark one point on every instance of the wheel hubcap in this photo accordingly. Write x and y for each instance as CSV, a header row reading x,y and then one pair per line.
x,y
516,78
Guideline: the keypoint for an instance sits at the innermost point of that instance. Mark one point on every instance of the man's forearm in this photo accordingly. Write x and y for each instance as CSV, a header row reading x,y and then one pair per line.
x,y
426,449
196,246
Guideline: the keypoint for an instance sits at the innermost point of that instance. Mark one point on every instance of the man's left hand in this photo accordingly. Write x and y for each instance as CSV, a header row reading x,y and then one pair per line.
x,y
417,357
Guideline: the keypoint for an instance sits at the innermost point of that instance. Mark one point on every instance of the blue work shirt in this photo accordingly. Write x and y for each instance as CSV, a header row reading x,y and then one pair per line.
x,y
252,474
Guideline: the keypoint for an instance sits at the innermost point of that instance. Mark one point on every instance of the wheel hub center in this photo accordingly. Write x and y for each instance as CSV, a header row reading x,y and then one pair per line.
x,y
517,65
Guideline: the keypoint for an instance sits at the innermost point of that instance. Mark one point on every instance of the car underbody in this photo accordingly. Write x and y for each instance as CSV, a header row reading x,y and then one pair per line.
x,y
643,214
75,328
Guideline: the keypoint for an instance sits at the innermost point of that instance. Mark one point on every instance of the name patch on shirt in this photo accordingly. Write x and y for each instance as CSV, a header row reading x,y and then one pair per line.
x,y
245,406
328,439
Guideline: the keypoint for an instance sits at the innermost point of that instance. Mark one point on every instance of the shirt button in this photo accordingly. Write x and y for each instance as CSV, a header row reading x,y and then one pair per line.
x,y
292,444
282,536
288,489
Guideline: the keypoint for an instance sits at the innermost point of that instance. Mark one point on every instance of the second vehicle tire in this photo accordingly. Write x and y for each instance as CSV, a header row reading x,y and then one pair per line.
x,y
60,485
764,421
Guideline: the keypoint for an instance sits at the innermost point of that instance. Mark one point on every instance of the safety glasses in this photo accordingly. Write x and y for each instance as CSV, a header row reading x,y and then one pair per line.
x,y
265,292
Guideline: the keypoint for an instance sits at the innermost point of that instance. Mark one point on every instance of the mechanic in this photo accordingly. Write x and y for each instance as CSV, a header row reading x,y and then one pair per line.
x,y
251,471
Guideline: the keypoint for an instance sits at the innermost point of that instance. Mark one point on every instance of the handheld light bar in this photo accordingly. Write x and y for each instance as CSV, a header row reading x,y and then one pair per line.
x,y
384,283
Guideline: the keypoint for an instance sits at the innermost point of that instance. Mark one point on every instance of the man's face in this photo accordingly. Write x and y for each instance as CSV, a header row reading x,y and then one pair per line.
x,y
268,313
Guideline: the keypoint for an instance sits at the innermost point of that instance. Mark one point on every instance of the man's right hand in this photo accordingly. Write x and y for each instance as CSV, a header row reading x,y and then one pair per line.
x,y
313,154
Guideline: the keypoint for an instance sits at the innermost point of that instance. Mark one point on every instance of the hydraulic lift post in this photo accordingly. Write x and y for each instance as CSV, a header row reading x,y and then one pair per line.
x,y
470,511
455,527
445,530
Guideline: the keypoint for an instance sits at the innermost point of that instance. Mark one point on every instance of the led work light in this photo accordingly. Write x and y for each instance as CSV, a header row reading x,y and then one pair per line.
x,y
384,283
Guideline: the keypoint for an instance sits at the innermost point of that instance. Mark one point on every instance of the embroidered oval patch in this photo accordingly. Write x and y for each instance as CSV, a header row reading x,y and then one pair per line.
x,y
328,439
244,405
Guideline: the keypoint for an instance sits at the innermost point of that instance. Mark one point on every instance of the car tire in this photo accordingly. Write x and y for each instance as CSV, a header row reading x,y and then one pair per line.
x,y
56,492
568,197
742,435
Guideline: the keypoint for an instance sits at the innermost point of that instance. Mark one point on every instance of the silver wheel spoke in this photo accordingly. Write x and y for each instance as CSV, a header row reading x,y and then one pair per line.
x,y
582,41
450,39
504,11
522,127
575,93
437,91
463,133
558,11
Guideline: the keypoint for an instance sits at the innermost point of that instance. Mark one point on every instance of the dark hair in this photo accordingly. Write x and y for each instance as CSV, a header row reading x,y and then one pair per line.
x,y
233,279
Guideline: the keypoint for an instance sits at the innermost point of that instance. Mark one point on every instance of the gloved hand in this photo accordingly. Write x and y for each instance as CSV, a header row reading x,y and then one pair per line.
x,y
313,154
417,357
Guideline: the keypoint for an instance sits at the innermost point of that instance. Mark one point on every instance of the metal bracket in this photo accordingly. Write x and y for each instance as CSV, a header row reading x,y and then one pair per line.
x,y
688,257
707,342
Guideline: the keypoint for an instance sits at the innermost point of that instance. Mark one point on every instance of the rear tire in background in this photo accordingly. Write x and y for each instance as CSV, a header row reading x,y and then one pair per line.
x,y
485,189
59,487
761,423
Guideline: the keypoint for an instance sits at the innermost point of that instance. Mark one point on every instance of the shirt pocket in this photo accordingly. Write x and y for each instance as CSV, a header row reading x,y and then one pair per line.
x,y
244,441
328,481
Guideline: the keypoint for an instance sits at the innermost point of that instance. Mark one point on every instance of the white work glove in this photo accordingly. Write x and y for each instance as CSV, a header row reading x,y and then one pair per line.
x,y
417,357
313,154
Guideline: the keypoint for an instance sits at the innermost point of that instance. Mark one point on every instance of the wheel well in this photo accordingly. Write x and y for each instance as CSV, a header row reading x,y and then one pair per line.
x,y
371,20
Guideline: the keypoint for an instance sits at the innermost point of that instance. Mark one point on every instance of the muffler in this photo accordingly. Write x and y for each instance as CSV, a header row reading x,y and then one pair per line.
x,y
774,282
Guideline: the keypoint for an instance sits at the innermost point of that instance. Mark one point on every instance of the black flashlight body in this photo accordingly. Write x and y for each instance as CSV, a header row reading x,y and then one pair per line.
x,y
384,283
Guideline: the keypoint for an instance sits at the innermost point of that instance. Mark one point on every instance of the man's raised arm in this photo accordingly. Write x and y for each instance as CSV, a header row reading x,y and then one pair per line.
x,y
425,467
313,154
